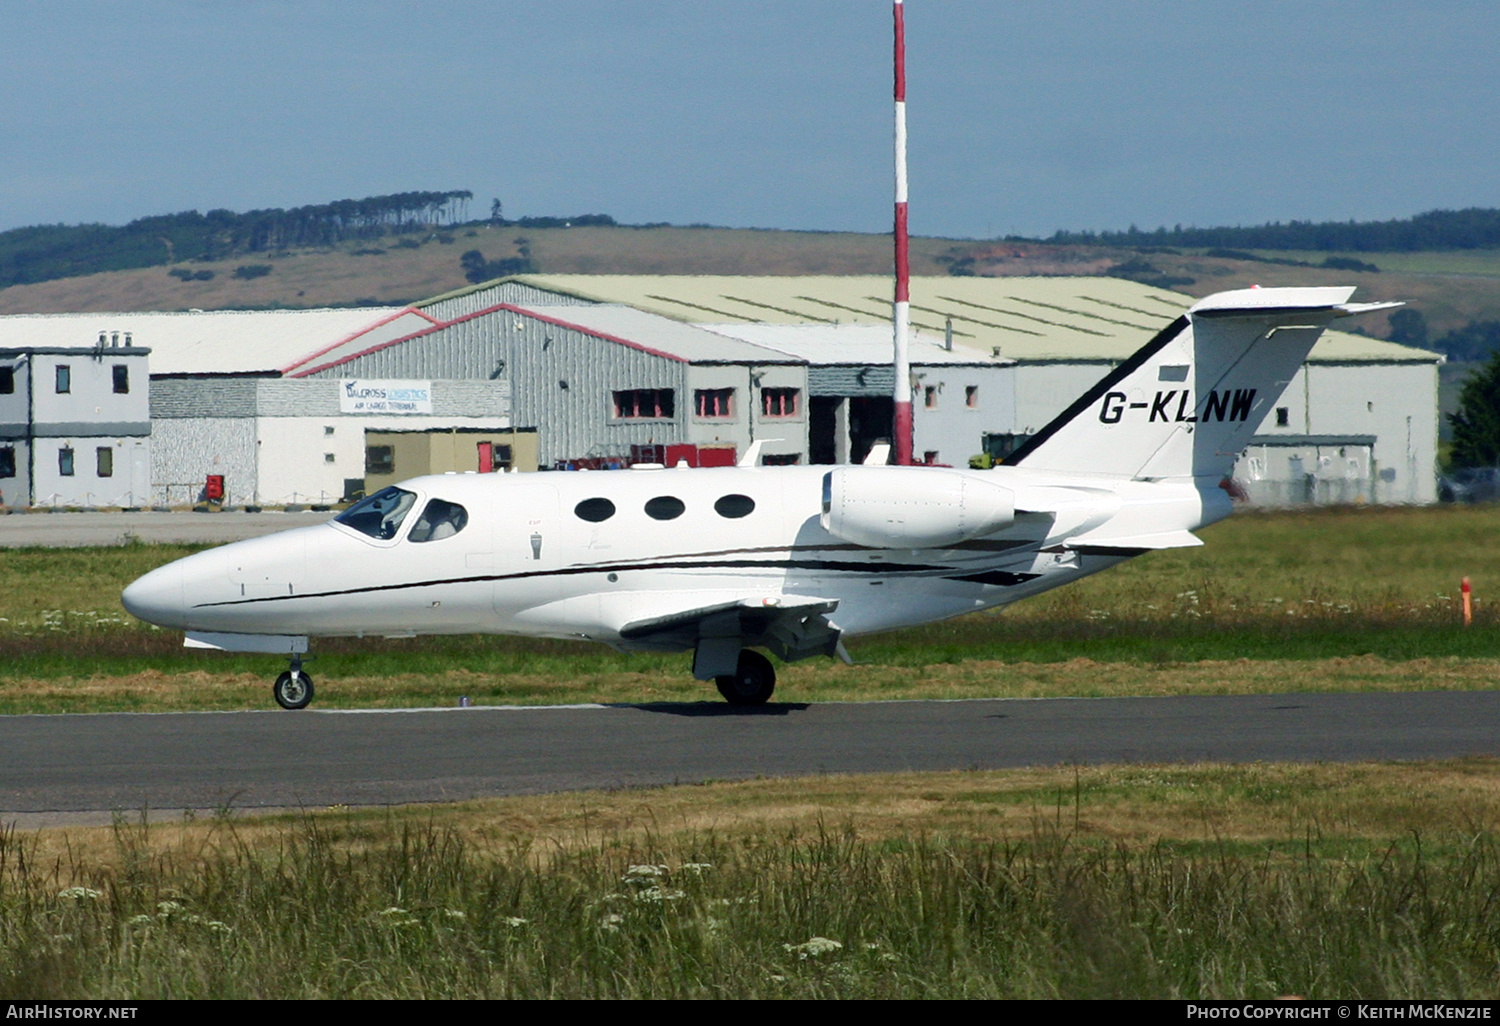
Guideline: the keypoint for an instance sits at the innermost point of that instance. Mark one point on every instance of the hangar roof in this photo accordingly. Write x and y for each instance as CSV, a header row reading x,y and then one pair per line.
x,y
651,330
832,344
1027,319
201,342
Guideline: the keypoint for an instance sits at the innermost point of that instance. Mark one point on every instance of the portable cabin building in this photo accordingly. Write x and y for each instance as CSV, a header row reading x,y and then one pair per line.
x,y
75,426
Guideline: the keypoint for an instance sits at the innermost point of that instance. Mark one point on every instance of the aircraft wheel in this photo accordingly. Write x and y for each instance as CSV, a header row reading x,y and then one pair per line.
x,y
293,692
752,681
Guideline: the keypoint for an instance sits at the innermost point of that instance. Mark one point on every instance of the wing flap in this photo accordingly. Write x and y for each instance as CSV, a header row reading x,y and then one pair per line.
x,y
792,626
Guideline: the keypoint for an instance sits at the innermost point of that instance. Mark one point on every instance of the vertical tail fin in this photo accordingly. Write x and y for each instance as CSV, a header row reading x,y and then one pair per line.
x,y
1188,401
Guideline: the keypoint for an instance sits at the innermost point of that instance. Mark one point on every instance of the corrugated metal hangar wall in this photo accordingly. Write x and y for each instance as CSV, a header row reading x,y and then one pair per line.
x,y
546,371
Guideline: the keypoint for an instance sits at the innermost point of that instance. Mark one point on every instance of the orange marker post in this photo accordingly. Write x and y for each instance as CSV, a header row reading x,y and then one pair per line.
x,y
1468,603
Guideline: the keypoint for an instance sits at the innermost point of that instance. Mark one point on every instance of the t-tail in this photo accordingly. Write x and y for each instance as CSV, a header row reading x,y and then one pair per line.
x,y
1187,403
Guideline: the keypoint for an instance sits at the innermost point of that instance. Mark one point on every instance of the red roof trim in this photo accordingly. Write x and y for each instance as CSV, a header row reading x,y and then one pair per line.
x,y
349,338
596,334
439,325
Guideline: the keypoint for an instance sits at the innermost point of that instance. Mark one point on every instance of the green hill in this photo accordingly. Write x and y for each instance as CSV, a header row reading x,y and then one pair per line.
x,y
409,246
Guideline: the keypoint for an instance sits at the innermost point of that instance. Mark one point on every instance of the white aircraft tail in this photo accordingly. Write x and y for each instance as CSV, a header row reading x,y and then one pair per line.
x,y
1188,402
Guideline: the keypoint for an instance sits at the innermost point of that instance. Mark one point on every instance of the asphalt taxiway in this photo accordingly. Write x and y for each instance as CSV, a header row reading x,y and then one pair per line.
x,y
61,768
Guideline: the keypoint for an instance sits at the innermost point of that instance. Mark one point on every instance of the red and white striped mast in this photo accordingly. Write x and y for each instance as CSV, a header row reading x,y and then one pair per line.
x,y
902,317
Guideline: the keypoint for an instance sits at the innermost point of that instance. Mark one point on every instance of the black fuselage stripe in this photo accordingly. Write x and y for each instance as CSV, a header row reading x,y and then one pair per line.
x,y
1110,380
835,566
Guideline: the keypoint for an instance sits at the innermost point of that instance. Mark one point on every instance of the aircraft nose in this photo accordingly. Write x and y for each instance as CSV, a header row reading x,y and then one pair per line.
x,y
157,597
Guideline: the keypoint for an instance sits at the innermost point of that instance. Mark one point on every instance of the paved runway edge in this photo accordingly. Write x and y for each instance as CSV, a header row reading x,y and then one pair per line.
x,y
58,764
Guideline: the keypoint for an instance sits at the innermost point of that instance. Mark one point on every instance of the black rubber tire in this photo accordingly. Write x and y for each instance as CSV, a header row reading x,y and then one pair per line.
x,y
751,683
293,696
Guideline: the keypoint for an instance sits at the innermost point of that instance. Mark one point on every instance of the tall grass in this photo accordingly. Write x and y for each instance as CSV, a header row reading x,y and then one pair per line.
x,y
431,911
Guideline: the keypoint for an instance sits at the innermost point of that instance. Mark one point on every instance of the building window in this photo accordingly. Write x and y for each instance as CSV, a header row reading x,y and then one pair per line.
x,y
64,379
644,404
1283,416
122,379
7,380
328,457
971,396
104,461
380,459
7,461
65,462
713,402
778,402
327,430
929,397
782,459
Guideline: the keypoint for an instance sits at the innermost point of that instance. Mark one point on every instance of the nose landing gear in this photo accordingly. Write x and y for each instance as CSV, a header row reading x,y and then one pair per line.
x,y
294,688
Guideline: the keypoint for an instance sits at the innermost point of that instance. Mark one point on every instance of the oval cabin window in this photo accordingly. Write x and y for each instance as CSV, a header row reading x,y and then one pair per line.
x,y
735,506
594,510
664,507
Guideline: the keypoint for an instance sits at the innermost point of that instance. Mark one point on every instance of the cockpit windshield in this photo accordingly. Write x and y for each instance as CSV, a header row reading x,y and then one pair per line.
x,y
441,519
380,515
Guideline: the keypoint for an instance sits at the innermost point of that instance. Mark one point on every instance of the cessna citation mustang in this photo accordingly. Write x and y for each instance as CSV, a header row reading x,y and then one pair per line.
x,y
722,561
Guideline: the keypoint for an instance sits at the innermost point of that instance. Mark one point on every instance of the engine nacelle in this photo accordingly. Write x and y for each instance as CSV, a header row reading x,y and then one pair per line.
x,y
912,507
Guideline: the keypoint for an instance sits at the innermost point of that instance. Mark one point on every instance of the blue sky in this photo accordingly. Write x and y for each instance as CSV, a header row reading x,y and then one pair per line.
x,y
1024,117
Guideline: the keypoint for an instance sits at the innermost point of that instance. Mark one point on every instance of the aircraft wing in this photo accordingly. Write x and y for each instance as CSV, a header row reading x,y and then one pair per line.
x,y
1133,545
791,626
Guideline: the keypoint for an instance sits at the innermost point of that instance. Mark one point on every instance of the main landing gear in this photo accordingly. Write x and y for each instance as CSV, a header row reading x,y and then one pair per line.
x,y
752,681
294,688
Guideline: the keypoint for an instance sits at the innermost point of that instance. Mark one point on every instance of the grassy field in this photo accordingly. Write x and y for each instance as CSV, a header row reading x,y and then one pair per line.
x,y
1324,881
1447,300
1352,599
355,272
1481,262
1374,881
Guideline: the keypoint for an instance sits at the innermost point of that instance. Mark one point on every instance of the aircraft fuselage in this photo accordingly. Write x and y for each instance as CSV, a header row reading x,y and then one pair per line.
x,y
537,555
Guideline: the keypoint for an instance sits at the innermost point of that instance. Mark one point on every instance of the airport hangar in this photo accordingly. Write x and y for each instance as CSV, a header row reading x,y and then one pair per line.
x,y
574,371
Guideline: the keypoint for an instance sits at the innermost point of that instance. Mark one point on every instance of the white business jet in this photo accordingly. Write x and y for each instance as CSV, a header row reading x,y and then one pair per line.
x,y
722,561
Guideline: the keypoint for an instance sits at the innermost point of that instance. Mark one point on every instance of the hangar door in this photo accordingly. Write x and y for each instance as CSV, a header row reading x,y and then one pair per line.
x,y
1308,471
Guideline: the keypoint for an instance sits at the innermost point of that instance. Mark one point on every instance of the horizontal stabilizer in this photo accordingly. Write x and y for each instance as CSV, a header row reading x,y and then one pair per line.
x,y
1256,302
1355,309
